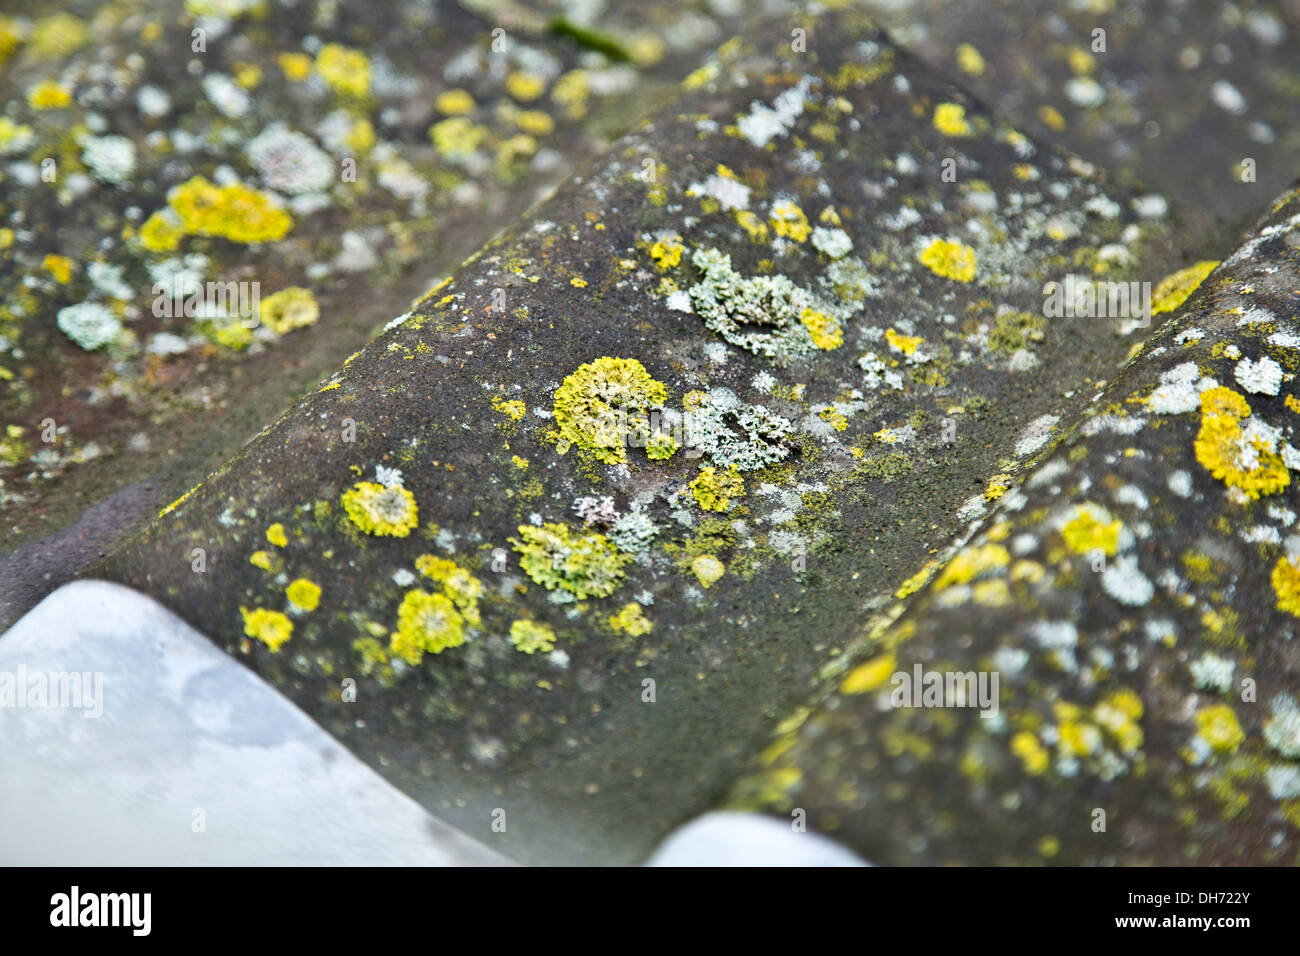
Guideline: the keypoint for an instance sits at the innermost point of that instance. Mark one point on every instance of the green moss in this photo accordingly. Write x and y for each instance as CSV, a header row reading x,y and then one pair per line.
x,y
1014,331
888,467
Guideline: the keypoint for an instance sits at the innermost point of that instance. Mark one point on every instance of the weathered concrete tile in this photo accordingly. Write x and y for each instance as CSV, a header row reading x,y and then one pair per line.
x,y
866,371
1137,597
365,151
1196,100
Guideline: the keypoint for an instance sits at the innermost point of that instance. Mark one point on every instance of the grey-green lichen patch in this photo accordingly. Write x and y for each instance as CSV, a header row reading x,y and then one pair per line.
x,y
1138,596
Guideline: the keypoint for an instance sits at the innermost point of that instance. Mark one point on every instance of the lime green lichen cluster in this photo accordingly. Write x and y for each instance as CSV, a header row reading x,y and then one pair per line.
x,y
576,566
14,449
426,623
461,587
289,309
380,510
530,637
604,401
631,620
715,490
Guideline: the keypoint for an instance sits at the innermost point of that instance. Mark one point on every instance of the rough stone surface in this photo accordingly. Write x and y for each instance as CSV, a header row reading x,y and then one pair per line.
x,y
1138,595
815,173
398,138
1197,100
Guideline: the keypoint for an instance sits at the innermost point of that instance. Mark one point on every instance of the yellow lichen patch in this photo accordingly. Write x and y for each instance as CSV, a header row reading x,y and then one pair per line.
x,y
1120,713
458,584
456,102
1088,531
175,504
49,95
380,510
754,227
512,408
950,259
261,559
971,562
1224,449
347,71
525,87
998,486
58,266
789,221
1033,755
861,75
714,490
825,331
11,36
296,67
916,581
275,534
601,403
57,36
535,122
1051,118
836,418
907,344
707,569
14,136
304,594
631,620
1077,738
248,75
531,637
162,231
869,675
1286,585
667,253
270,627
426,623
993,593
950,119
232,212
1174,289
1081,61
289,309
1218,726
969,60
702,77
572,90
456,137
